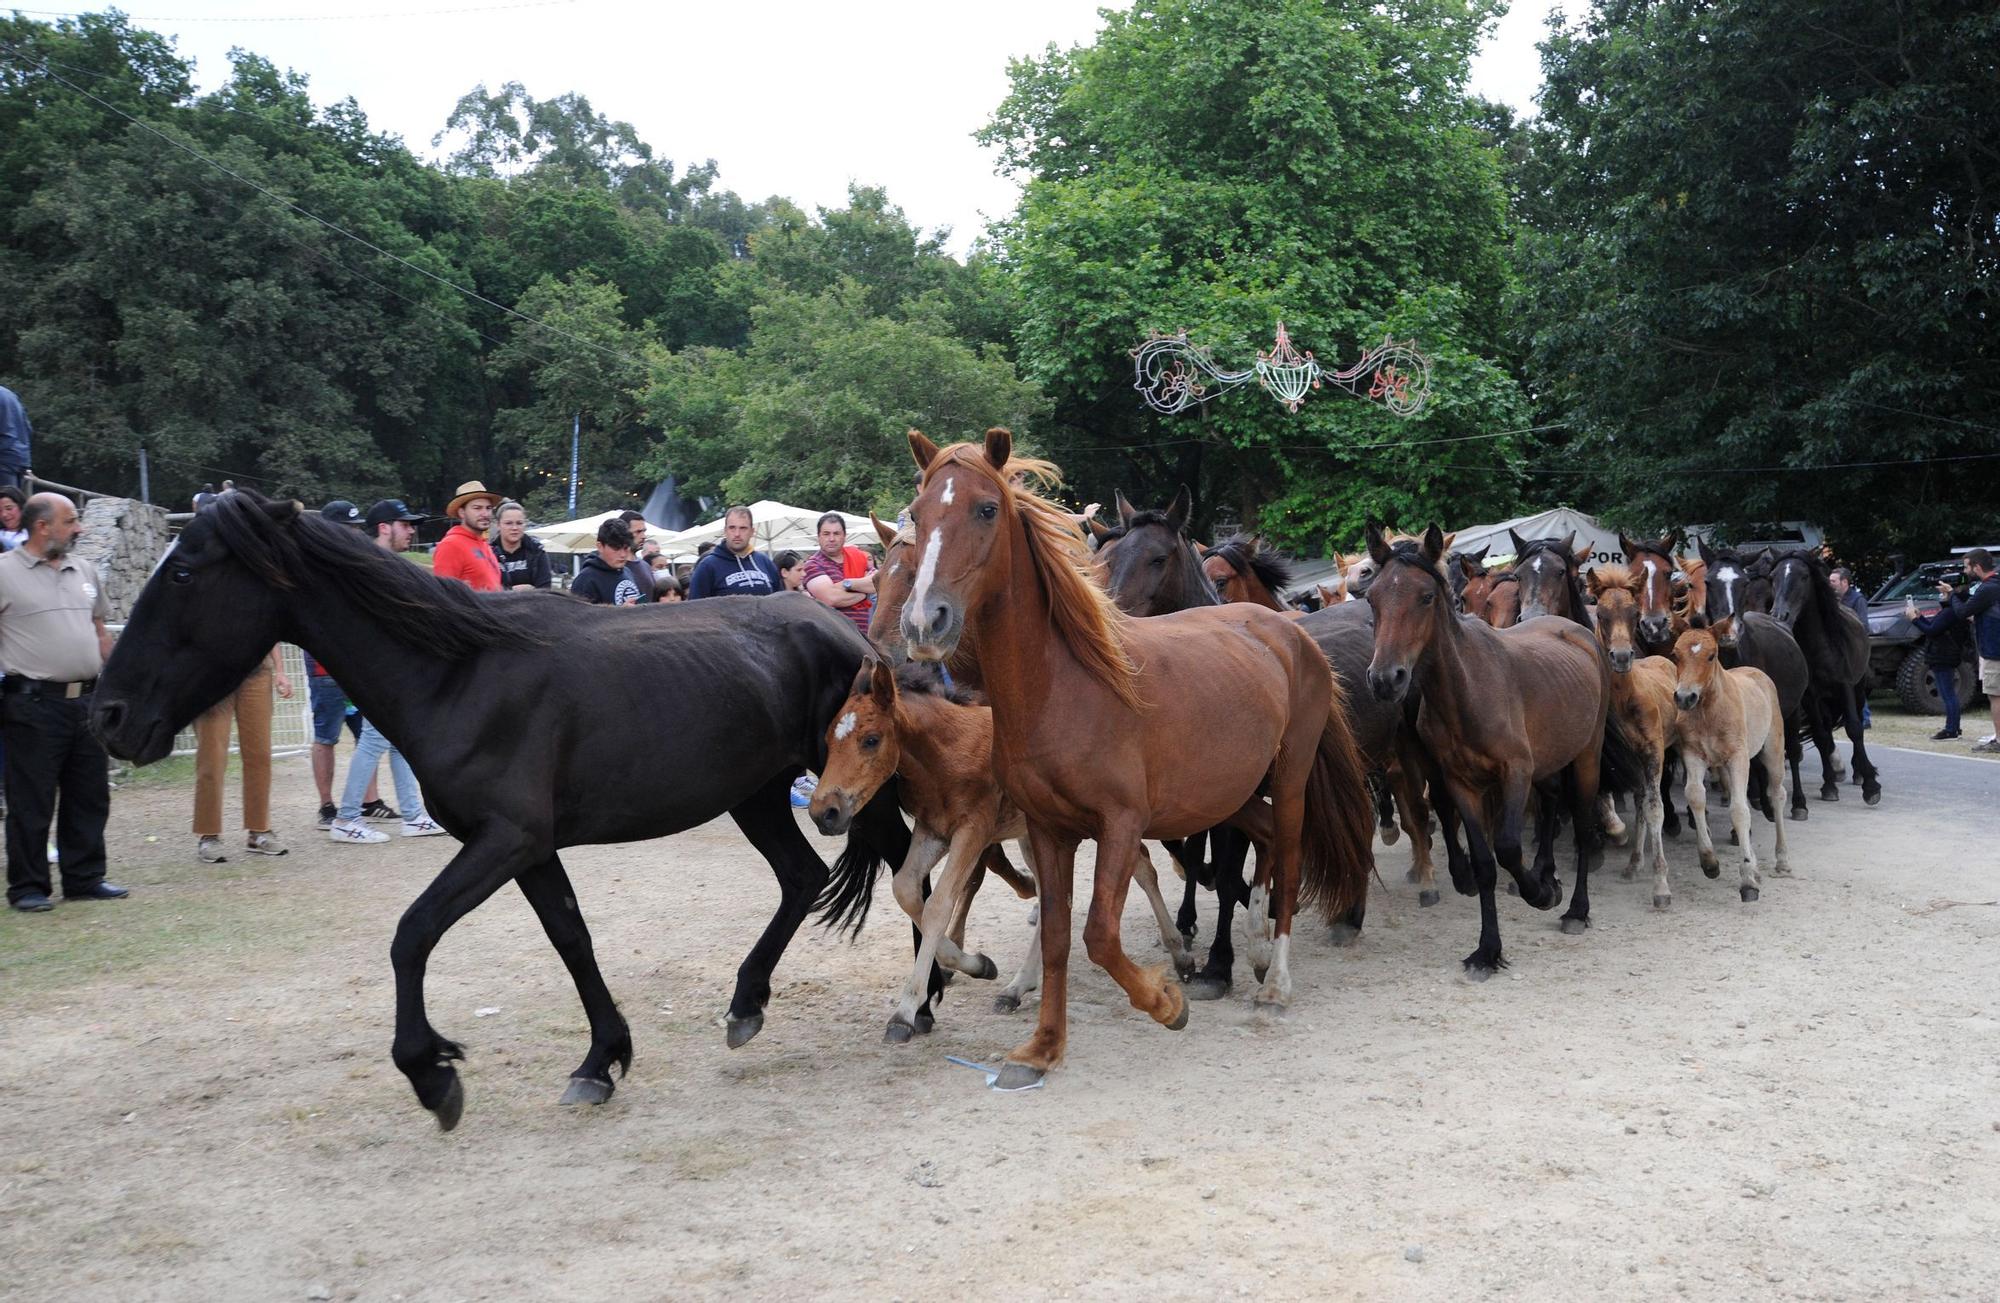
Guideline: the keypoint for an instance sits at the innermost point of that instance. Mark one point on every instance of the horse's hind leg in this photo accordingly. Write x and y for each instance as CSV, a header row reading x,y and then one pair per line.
x,y
1406,779
554,901
1230,848
1822,732
1482,868
1028,976
766,819
1656,809
1170,937
476,872
1864,768
1795,751
966,848
1152,990
1579,783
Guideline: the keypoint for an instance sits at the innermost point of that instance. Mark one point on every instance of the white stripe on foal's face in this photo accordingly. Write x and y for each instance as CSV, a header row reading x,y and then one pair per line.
x,y
844,727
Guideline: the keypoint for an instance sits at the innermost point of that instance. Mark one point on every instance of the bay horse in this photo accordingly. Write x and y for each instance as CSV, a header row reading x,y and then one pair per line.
x,y
1655,570
1150,567
1092,711
1244,568
1835,644
1548,573
505,704
906,723
1642,697
1503,711
1728,719
1471,582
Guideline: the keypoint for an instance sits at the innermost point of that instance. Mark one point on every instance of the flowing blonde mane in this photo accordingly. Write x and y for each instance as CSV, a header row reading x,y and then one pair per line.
x,y
1617,576
1086,619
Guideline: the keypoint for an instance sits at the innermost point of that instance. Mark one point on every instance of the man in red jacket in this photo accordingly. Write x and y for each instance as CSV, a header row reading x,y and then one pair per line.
x,y
462,553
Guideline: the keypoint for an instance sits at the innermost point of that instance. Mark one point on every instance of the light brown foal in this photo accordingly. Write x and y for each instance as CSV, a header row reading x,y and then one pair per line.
x,y
1642,696
1727,719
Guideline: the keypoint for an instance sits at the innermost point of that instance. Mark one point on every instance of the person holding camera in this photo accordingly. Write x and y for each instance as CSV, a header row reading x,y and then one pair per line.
x,y
1979,608
1942,653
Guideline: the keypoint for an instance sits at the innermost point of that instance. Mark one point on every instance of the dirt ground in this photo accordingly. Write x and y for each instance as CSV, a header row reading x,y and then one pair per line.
x,y
1789,1100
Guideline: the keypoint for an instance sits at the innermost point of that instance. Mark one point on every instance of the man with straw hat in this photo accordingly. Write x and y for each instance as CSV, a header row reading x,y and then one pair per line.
x,y
462,553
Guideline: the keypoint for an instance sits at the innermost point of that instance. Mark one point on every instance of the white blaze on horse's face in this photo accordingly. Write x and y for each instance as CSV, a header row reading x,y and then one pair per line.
x,y
1727,576
927,569
844,727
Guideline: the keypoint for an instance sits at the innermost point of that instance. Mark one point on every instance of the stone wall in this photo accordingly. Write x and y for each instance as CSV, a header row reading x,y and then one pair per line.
x,y
124,538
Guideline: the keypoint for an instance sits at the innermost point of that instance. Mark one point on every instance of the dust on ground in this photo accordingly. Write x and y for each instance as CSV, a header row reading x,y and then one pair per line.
x,y
1792,1100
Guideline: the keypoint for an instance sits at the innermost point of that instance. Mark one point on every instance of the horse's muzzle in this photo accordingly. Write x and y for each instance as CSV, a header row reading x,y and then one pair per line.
x,y
831,812
932,634
126,737
1391,684
1687,698
1655,629
1621,660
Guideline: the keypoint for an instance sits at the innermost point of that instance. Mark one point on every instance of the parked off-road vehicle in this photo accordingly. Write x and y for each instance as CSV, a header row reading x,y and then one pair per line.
x,y
1896,649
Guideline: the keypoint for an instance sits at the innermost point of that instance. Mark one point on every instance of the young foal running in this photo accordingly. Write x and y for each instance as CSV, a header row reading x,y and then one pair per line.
x,y
1727,719
1642,697
1092,713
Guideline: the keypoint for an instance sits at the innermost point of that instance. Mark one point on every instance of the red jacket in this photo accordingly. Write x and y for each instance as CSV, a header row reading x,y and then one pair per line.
x,y
462,554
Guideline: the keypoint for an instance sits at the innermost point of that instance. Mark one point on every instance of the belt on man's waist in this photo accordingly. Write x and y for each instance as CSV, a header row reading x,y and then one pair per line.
x,y
14,683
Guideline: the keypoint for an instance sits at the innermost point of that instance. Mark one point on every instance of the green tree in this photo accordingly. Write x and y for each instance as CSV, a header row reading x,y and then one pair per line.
x,y
1763,249
1218,168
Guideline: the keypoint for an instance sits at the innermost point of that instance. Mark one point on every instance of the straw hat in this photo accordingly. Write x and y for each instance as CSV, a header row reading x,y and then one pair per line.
x,y
468,491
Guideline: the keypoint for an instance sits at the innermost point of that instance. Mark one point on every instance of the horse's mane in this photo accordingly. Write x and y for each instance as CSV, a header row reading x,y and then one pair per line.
x,y
1089,623
1572,572
925,679
1245,552
1193,578
1617,576
441,617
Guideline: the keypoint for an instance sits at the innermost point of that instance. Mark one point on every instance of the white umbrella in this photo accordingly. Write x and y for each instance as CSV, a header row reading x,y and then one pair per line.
x,y
774,527
581,535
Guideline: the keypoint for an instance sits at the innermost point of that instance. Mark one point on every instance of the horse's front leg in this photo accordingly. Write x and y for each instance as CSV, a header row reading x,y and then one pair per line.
x,y
1795,751
966,848
1407,784
1230,848
1054,860
490,858
766,819
1028,976
927,847
1822,732
1482,870
1739,823
1656,812
554,901
1541,891
1152,990
1697,800
1864,768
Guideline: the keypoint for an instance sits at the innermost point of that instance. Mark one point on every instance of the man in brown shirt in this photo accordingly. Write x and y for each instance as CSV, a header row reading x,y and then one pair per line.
x,y
52,644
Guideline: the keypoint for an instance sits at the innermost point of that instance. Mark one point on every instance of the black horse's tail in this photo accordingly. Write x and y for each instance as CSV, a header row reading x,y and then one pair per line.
x,y
1337,841
877,835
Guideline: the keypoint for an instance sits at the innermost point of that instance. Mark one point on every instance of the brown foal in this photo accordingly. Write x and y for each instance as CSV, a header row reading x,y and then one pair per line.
x,y
1729,718
1642,696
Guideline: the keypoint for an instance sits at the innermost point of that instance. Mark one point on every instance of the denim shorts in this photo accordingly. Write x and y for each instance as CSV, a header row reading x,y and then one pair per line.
x,y
329,705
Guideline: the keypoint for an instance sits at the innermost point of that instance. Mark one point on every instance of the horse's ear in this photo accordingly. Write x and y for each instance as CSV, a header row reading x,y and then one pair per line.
x,y
999,446
1478,559
1666,543
1177,511
1722,627
1595,582
1098,529
1432,548
882,684
1378,547
1448,538
1520,544
1340,562
1568,547
1626,546
1708,557
1122,507
922,450
885,532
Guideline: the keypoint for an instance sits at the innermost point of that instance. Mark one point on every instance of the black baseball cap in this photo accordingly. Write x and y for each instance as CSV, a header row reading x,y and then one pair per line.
x,y
389,509
342,512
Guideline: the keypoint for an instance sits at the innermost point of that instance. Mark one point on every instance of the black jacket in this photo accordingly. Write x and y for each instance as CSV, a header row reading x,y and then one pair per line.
x,y
1944,644
527,568
603,584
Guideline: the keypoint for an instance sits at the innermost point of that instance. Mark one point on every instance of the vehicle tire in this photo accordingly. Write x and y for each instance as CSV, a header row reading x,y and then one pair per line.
x,y
1914,687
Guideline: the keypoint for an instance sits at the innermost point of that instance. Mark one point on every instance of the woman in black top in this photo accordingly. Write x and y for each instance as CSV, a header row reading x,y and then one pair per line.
x,y
523,562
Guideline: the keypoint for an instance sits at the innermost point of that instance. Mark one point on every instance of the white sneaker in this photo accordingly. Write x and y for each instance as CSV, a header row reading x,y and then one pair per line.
x,y
424,827
354,833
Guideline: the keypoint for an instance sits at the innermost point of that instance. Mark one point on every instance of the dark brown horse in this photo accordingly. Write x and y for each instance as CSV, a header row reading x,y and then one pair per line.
x,y
1505,711
1091,710
1550,578
1656,570
1245,568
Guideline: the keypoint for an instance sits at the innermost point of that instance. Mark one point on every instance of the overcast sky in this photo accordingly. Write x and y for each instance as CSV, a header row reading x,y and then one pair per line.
x,y
789,97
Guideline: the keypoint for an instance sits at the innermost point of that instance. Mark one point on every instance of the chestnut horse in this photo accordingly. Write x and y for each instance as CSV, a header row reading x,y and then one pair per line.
x,y
1093,712
906,722
1729,717
1642,697
1503,711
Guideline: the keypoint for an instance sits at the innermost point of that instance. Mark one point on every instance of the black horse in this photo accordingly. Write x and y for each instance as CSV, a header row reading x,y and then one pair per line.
x,y
509,707
1757,640
1835,644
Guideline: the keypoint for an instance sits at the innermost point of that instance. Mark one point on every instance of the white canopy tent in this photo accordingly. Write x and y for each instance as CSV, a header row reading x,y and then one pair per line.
x,y
775,528
1554,523
580,535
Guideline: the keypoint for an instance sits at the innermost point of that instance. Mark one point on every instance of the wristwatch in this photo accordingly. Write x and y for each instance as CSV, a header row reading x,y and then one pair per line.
x,y
847,585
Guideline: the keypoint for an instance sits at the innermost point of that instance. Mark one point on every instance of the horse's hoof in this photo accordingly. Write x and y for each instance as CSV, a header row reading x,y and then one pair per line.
x,y
1187,936
1268,1009
1179,1020
1205,987
984,969
1428,898
925,1020
743,1030
1830,792
1782,870
1259,970
1411,875
1477,972
1799,814
1662,902
1513,887
1575,927
1005,1003
1732,838
1871,794
898,1032
452,1106
1710,866
1627,873
1018,1076
1343,934
587,1090
1749,894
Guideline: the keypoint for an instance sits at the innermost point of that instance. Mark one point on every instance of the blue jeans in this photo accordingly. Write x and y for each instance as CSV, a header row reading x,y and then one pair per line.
x,y
1947,686
368,750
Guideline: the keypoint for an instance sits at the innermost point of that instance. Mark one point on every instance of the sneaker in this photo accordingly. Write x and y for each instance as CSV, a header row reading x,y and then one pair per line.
x,y
800,800
354,833
422,827
209,851
806,783
264,843
327,814
1945,735
379,812
1991,746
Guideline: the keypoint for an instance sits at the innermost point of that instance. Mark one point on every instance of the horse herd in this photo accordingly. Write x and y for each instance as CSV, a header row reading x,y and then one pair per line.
x,y
1019,683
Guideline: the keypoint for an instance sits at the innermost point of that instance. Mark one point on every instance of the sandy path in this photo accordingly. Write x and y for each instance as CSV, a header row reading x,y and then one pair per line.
x,y
1795,1099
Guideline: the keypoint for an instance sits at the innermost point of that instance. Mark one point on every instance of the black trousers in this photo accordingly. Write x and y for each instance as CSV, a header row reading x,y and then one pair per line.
x,y
51,754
